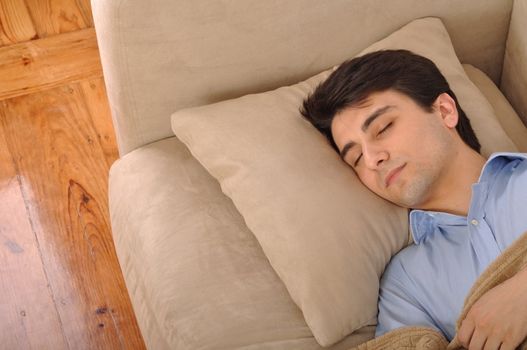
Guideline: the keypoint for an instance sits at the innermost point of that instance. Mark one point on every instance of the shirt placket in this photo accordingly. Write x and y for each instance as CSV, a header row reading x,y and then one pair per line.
x,y
483,241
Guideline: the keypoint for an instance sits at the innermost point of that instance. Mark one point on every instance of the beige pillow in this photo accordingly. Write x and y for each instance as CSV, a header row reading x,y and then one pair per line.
x,y
327,236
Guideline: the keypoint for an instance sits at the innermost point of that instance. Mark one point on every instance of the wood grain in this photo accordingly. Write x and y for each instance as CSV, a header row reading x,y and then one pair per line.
x,y
29,316
52,17
94,94
17,25
46,63
63,171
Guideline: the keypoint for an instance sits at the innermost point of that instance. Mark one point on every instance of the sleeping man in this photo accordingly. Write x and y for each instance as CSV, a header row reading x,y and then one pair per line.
x,y
394,120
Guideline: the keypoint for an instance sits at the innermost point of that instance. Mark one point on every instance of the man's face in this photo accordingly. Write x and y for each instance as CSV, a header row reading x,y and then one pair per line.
x,y
398,150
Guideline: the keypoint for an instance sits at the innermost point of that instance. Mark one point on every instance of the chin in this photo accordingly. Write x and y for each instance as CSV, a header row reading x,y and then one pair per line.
x,y
400,204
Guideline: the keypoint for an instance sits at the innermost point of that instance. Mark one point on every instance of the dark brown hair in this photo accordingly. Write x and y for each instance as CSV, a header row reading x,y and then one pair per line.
x,y
352,82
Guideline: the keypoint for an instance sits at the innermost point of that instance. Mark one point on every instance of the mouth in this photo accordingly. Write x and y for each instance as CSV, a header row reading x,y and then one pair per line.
x,y
392,175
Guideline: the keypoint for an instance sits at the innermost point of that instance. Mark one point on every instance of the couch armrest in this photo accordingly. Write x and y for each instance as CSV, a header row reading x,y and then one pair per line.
x,y
514,74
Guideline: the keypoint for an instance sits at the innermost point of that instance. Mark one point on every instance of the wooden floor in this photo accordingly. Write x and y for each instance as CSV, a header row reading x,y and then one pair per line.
x,y
61,286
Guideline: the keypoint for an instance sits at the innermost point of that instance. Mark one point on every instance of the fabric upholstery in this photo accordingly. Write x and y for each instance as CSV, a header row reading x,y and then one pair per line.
x,y
196,275
514,77
168,55
320,228
507,116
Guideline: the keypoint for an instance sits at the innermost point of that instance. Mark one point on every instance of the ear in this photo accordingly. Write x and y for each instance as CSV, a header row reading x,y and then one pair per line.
x,y
446,106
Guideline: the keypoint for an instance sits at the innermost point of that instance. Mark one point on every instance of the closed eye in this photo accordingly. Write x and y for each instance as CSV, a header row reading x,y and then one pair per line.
x,y
357,161
385,128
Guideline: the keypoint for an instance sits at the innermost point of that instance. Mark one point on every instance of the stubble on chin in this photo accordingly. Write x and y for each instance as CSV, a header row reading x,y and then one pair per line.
x,y
416,192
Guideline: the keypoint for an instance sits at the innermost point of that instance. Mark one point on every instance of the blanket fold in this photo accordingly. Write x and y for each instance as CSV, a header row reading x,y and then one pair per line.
x,y
511,261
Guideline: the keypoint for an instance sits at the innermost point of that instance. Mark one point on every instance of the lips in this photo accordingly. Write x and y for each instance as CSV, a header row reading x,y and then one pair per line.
x,y
392,174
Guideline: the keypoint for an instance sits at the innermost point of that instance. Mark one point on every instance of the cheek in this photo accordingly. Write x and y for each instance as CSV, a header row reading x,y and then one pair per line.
x,y
369,181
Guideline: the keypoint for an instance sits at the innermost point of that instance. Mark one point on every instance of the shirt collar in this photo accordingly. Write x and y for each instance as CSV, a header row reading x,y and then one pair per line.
x,y
495,162
423,222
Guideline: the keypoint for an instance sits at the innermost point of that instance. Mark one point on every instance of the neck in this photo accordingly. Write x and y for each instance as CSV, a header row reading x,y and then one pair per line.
x,y
455,185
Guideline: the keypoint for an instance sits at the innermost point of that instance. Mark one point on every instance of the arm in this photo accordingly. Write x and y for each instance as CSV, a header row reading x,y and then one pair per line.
x,y
397,306
498,318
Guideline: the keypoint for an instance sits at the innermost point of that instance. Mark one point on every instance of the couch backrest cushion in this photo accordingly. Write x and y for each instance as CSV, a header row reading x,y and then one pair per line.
x,y
507,116
171,54
514,74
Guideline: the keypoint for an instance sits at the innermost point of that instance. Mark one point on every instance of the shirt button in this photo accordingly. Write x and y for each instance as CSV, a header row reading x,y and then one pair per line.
x,y
474,222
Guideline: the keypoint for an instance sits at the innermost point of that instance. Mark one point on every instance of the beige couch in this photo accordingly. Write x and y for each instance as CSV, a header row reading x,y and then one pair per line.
x,y
197,276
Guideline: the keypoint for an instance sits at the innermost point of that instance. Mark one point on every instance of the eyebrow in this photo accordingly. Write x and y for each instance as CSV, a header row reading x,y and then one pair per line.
x,y
376,114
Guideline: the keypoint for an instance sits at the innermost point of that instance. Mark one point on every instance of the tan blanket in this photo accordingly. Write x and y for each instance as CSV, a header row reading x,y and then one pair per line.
x,y
512,260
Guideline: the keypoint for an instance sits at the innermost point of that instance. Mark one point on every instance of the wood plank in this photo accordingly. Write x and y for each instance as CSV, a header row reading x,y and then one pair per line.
x,y
52,17
94,94
29,317
62,167
4,40
17,25
47,63
85,10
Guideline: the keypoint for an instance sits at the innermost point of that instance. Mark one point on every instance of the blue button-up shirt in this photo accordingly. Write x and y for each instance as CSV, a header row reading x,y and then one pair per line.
x,y
425,284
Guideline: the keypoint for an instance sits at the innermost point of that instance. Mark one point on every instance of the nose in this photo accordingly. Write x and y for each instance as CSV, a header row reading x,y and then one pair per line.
x,y
374,156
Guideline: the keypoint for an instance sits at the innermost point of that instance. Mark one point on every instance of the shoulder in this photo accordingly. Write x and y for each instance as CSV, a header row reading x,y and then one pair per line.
x,y
399,303
409,272
400,267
